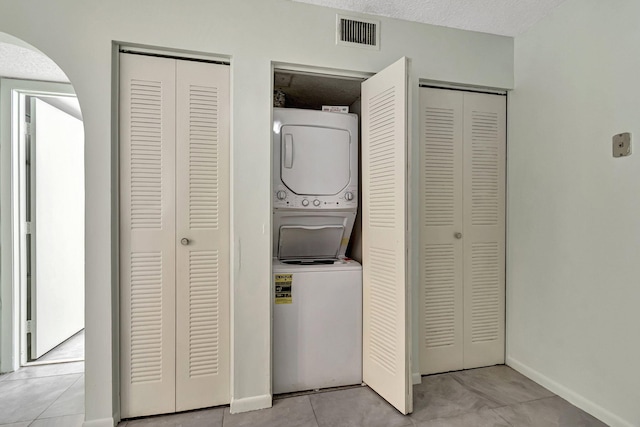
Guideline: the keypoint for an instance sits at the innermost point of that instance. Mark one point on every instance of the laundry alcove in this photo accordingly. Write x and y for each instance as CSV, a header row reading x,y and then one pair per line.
x,y
379,240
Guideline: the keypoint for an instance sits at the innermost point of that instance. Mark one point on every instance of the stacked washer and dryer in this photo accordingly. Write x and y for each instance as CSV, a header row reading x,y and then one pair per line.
x,y
317,311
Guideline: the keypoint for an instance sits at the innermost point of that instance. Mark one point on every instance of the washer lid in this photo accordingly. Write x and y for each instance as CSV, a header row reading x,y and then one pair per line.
x,y
310,242
314,160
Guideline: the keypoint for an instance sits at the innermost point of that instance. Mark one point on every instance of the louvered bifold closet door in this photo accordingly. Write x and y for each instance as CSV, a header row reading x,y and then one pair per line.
x,y
440,263
386,334
147,234
202,216
484,228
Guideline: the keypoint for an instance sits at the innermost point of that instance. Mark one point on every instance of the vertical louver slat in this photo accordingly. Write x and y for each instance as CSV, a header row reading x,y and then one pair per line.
x,y
439,265
484,169
383,336
204,321
439,167
146,156
146,317
203,157
382,147
486,289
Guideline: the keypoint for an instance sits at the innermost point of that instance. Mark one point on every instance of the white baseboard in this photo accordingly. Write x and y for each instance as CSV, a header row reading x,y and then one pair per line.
x,y
250,403
416,378
102,422
574,398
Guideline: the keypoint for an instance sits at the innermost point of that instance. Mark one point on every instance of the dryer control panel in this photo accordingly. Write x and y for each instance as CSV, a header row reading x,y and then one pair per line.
x,y
285,198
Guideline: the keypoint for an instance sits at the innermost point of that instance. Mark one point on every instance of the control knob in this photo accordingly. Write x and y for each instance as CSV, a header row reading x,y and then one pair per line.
x,y
316,202
305,202
348,195
281,195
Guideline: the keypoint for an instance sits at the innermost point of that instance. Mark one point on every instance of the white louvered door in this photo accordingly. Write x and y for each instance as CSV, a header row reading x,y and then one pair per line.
x,y
202,217
462,236
441,319
386,331
484,229
147,234
174,297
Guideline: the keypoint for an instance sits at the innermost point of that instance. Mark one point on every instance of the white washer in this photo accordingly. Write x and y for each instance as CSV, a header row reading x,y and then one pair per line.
x,y
317,334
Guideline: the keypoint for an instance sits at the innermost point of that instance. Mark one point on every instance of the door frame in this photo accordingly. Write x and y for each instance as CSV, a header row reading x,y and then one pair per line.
x,y
413,84
13,280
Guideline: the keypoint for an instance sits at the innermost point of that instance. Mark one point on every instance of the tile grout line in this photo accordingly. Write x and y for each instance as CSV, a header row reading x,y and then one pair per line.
x,y
525,401
315,417
224,414
11,374
488,397
501,417
56,399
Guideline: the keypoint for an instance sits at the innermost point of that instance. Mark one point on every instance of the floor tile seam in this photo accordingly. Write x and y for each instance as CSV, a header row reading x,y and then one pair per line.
x,y
501,417
56,399
460,414
448,416
315,416
525,401
58,416
477,392
44,376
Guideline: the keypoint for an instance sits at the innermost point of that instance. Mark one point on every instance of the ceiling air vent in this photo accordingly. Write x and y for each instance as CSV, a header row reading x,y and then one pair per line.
x,y
357,32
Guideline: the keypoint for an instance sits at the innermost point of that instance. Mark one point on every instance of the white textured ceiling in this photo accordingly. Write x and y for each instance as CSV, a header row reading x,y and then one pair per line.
x,y
503,17
21,61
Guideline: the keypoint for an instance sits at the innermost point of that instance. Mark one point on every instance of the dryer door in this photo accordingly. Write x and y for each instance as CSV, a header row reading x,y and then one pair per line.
x,y
314,160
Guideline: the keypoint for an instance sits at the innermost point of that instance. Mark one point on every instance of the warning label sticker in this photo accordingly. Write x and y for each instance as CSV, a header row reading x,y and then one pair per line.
x,y
283,284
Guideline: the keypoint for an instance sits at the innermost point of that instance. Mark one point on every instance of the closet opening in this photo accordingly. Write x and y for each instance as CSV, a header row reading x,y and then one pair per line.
x,y
309,90
333,172
316,232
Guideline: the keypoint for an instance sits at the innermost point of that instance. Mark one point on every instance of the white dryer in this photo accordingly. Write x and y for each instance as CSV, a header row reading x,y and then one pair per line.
x,y
315,188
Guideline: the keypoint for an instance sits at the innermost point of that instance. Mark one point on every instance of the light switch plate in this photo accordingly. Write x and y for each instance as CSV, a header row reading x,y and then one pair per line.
x,y
622,144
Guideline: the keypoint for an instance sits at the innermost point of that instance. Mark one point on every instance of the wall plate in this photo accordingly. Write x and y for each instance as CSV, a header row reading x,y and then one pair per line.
x,y
622,144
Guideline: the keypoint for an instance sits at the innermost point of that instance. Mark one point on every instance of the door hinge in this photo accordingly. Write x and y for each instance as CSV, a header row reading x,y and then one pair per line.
x,y
28,227
27,128
29,326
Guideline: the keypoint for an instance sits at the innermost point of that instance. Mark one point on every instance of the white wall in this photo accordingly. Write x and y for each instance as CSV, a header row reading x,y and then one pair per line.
x,y
253,33
573,276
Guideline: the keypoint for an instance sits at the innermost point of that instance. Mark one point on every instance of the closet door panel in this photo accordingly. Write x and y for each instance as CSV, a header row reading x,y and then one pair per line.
x,y
147,234
202,211
441,300
484,229
386,364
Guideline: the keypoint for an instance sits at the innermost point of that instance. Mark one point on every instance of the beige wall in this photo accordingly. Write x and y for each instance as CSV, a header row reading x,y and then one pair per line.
x,y
253,33
573,224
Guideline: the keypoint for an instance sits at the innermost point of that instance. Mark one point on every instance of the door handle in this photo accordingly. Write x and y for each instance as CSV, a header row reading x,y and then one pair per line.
x,y
457,235
184,241
288,150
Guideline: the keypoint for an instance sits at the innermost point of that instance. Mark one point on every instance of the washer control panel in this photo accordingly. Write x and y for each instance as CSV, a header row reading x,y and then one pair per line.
x,y
285,198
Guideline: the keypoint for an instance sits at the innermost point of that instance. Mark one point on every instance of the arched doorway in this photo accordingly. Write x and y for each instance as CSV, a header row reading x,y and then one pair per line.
x,y
42,229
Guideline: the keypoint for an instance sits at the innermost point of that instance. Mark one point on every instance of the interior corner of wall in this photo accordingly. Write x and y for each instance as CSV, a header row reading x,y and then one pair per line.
x,y
102,422
416,378
567,393
252,403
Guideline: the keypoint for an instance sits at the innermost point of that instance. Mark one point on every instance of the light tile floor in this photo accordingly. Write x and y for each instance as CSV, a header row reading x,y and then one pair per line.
x,y
43,396
71,349
496,396
49,395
